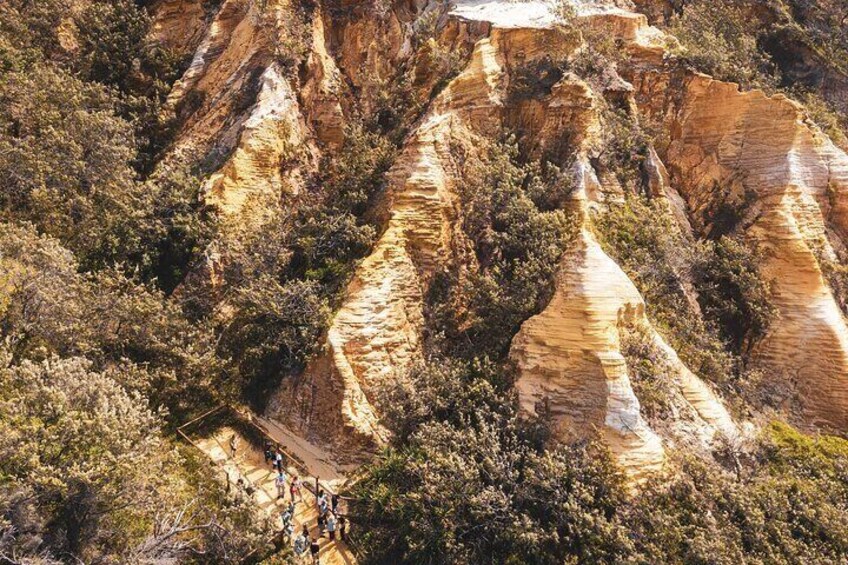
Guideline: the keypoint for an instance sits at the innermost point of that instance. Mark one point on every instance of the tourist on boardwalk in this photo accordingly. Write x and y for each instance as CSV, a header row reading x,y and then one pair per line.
x,y
294,488
331,526
335,502
280,481
287,516
322,524
233,445
314,548
342,528
306,531
269,453
301,544
323,507
279,464
288,531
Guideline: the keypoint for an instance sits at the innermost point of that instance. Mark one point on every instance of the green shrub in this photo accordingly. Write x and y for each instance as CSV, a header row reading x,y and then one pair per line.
x,y
733,294
650,372
48,308
788,507
87,475
512,217
720,39
468,484
649,247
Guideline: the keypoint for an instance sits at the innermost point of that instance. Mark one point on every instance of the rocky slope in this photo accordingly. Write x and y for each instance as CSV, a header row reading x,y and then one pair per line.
x,y
723,147
760,155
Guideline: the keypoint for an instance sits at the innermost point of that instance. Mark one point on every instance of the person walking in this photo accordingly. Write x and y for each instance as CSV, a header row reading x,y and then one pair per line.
x,y
288,531
269,453
233,445
343,528
278,461
334,502
286,517
322,505
301,544
280,481
306,531
322,525
294,488
314,549
331,526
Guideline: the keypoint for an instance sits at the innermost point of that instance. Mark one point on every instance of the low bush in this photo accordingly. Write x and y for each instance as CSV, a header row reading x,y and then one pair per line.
x,y
649,247
721,39
468,482
733,294
650,372
518,229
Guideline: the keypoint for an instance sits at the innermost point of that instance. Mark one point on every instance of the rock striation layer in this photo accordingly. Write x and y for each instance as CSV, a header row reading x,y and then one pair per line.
x,y
259,128
759,155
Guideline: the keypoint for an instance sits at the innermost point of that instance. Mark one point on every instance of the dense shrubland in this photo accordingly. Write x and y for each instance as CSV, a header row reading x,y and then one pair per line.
x,y
798,47
89,191
707,297
468,482
517,228
95,368
97,365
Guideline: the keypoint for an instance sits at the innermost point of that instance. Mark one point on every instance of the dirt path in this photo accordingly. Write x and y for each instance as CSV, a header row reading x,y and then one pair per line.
x,y
249,465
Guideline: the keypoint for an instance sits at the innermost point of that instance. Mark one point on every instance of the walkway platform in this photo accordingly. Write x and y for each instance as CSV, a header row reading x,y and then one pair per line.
x,y
248,470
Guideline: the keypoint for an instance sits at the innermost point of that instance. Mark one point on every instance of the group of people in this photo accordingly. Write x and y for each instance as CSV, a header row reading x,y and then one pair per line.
x,y
329,519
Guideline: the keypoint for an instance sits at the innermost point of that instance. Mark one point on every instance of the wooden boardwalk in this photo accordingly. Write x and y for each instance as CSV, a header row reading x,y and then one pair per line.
x,y
249,466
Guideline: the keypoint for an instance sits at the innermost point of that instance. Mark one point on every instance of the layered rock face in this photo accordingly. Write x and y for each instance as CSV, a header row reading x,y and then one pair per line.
x,y
573,371
788,180
569,355
239,111
726,147
375,336
570,360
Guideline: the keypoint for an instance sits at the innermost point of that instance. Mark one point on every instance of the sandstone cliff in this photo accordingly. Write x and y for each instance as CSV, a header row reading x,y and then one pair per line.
x,y
759,154
724,147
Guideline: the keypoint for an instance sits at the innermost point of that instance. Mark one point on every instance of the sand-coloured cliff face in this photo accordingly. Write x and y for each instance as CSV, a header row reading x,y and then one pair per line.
x,y
213,93
570,361
572,368
272,148
323,89
375,336
759,155
240,113
179,24
261,129
569,355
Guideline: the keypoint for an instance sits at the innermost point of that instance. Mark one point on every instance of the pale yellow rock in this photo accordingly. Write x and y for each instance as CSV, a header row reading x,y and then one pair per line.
x,y
322,90
570,361
375,336
209,96
271,135
178,24
571,366
569,355
748,143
